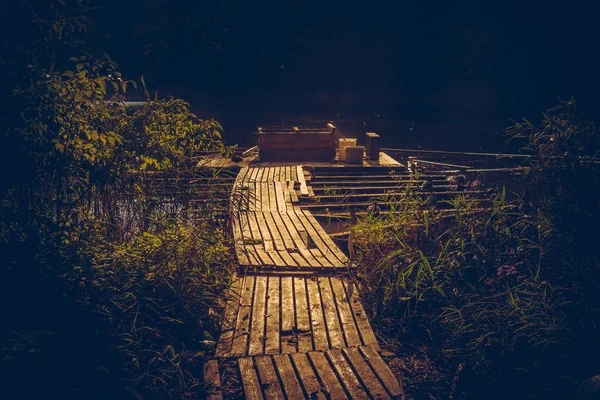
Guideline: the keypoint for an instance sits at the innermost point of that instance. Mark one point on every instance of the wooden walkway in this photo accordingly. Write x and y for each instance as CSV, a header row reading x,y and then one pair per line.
x,y
293,321
271,231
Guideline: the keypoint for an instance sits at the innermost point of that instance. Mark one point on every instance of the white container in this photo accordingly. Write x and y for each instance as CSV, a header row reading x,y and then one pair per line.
x,y
343,143
354,154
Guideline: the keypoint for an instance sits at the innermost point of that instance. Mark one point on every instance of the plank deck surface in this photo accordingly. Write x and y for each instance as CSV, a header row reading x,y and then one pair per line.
x,y
293,319
283,315
354,373
268,229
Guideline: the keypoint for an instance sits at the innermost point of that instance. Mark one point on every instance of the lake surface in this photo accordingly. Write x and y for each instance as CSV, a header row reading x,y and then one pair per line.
x,y
400,122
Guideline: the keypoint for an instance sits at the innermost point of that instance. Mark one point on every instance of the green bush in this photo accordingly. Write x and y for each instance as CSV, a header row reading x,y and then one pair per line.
x,y
497,289
160,294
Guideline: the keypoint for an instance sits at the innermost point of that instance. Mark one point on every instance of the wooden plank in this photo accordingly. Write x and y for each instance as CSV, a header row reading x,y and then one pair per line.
x,y
320,257
280,246
316,316
268,239
249,379
302,263
250,251
327,376
302,312
289,380
212,380
242,325
257,237
234,296
364,327
382,371
306,254
242,175
283,232
262,174
291,256
272,317
365,374
272,197
308,379
293,195
257,173
326,240
272,174
388,161
264,196
279,196
251,196
303,188
346,375
239,241
257,330
345,313
242,197
254,174
268,378
323,253
294,172
303,231
251,150
248,176
288,174
332,322
281,174
287,197
264,220
288,316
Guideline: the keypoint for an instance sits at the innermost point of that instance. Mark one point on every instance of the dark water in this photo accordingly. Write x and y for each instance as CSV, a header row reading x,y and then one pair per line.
x,y
400,122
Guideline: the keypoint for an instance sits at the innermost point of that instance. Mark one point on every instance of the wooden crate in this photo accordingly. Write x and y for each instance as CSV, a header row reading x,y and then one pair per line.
x,y
295,144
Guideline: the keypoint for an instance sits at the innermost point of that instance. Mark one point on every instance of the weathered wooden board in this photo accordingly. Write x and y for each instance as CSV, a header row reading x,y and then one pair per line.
x,y
295,336
280,314
364,327
212,380
249,379
242,326
350,373
229,317
259,308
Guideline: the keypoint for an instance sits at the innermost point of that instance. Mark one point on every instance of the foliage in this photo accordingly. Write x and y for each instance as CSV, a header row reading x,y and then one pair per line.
x,y
159,293
98,201
497,289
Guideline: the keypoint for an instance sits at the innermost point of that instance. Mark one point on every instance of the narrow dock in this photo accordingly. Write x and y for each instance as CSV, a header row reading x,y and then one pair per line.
x,y
293,320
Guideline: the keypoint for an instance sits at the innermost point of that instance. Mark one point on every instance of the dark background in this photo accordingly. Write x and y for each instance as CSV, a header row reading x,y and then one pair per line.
x,y
456,73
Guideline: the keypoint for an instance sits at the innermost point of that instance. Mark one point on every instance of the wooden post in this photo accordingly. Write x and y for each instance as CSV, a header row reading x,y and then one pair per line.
x,y
372,146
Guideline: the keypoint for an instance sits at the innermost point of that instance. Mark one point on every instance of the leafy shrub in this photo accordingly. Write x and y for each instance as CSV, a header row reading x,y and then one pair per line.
x,y
160,295
498,289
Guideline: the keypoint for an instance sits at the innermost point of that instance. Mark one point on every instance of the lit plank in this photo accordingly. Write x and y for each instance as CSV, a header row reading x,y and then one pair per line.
x,y
257,330
272,317
249,379
234,295
289,380
303,329
334,331
242,324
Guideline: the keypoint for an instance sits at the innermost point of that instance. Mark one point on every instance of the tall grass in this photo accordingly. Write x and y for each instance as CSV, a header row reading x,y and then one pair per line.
x,y
501,294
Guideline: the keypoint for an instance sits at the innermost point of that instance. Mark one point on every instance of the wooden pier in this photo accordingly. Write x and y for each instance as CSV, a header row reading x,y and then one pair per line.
x,y
293,320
